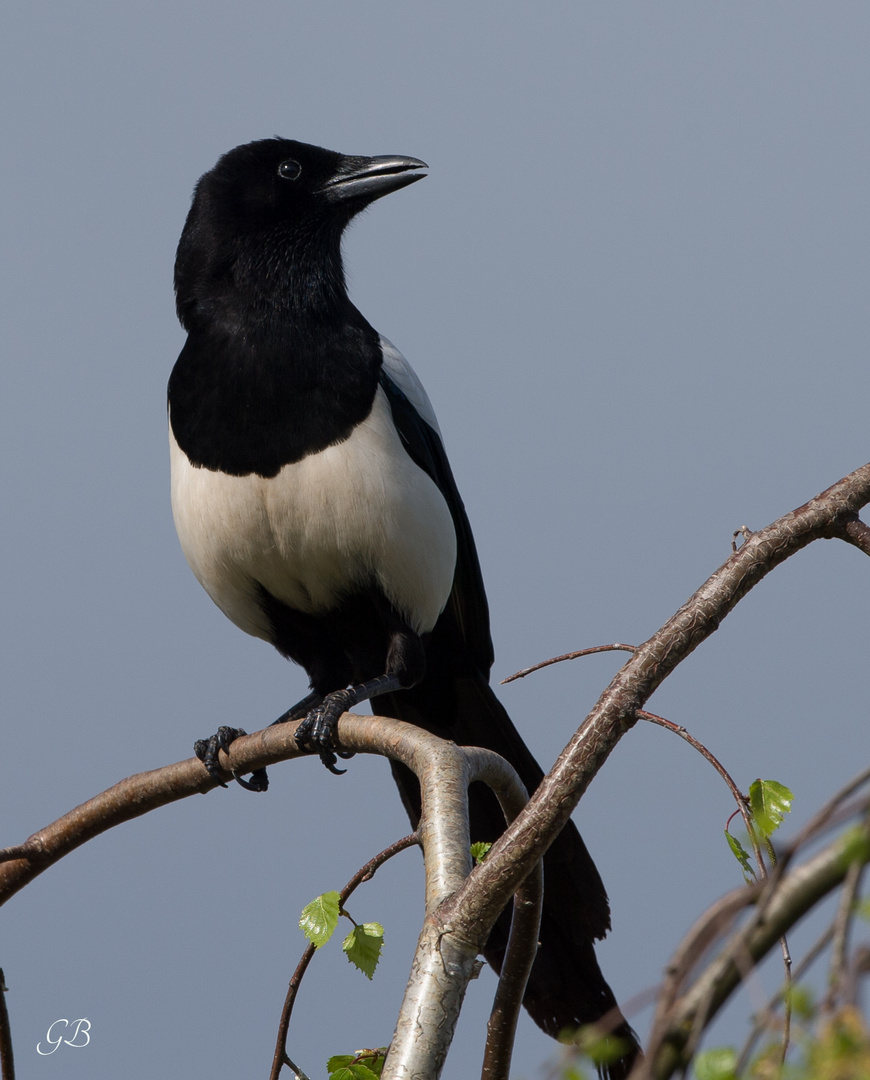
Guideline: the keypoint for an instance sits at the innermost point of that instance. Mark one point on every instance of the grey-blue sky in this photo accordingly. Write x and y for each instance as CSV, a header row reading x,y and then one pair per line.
x,y
634,285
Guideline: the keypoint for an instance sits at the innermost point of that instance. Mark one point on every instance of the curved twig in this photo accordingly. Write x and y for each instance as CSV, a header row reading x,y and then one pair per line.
x,y
845,913
739,797
616,647
365,873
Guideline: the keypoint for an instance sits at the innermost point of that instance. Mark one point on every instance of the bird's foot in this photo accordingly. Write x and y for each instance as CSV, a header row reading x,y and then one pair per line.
x,y
207,752
317,732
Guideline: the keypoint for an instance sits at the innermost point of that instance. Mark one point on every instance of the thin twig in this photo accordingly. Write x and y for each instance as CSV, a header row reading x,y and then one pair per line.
x,y
568,656
821,819
842,923
765,1017
859,967
739,797
788,1003
7,1065
365,873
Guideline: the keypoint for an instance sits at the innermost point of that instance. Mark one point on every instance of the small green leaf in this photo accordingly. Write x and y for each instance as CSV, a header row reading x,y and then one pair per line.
x,y
363,947
373,1059
479,851
320,918
356,1071
862,909
717,1064
769,801
363,1065
741,855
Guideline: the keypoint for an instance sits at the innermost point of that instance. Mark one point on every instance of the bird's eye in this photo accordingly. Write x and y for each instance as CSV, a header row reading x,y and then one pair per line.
x,y
289,170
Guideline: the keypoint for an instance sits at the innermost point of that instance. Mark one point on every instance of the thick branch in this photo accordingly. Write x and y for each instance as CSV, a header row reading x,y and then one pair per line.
x,y
130,799
139,794
615,713
447,954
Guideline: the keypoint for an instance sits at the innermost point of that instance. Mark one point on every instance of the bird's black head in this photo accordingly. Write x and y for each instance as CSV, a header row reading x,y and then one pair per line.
x,y
269,217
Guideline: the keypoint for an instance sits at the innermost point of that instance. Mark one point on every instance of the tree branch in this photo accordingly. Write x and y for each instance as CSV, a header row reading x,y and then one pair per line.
x,y
789,898
616,710
462,907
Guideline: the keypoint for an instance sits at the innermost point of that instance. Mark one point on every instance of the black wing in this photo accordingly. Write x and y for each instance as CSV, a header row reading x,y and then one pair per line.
x,y
467,601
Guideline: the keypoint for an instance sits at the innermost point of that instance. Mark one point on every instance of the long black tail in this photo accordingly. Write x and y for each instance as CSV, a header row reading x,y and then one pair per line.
x,y
566,988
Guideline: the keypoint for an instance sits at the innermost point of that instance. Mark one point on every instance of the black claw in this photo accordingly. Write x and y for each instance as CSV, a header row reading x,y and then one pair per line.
x,y
316,733
259,780
207,752
329,760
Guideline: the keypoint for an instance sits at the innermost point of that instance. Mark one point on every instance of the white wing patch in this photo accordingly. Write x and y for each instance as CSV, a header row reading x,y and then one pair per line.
x,y
404,376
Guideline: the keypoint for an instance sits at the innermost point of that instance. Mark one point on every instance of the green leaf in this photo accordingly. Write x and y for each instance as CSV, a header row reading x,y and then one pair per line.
x,y
741,855
320,918
363,1065
862,909
769,801
363,947
717,1064
479,851
339,1061
373,1059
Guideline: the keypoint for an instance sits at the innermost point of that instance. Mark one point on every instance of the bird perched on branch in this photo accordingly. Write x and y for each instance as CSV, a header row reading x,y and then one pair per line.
x,y
316,506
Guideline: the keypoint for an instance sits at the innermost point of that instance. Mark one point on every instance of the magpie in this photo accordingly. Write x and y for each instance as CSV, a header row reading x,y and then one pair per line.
x,y
315,504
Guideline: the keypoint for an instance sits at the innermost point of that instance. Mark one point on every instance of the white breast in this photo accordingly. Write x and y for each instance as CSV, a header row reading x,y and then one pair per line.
x,y
354,514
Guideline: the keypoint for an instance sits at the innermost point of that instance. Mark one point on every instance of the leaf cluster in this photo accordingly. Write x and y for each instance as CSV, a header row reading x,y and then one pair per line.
x,y
362,946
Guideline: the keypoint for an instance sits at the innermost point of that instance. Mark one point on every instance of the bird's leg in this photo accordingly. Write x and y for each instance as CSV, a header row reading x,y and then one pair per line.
x,y
300,709
405,666
316,733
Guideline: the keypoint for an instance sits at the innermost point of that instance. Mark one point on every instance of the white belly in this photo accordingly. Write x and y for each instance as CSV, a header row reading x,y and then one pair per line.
x,y
356,514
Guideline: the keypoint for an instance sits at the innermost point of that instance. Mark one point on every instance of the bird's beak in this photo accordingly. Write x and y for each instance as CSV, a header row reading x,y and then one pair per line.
x,y
367,179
